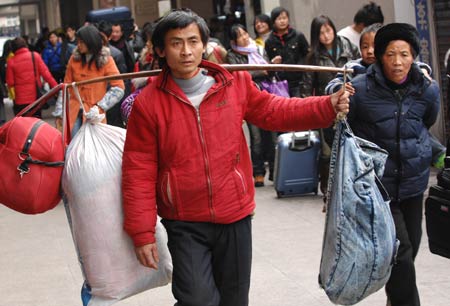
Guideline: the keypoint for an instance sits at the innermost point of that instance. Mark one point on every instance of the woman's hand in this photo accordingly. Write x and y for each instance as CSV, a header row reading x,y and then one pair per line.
x,y
276,60
349,87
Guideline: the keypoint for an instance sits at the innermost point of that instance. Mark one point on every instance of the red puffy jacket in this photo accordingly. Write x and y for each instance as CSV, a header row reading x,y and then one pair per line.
x,y
21,77
194,165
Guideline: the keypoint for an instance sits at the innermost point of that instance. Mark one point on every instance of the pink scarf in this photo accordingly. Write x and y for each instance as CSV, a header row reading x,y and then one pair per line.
x,y
251,51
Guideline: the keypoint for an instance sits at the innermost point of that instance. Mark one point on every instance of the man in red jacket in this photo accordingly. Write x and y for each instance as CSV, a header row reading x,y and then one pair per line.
x,y
22,74
187,160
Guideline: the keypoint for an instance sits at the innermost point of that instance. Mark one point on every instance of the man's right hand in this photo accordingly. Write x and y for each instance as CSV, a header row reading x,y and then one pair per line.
x,y
148,255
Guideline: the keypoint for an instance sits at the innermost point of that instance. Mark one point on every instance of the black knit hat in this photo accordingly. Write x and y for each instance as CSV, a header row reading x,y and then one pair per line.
x,y
396,31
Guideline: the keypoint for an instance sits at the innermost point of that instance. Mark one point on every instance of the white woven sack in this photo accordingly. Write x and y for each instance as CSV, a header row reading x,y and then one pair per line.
x,y
92,183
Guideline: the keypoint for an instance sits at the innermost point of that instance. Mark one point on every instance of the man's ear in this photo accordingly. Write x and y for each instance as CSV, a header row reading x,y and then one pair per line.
x,y
160,52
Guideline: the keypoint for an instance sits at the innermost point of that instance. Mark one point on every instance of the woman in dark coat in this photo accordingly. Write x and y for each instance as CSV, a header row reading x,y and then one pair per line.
x,y
285,45
394,105
244,50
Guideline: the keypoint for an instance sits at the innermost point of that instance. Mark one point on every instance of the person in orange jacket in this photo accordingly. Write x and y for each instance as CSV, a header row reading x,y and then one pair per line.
x,y
90,60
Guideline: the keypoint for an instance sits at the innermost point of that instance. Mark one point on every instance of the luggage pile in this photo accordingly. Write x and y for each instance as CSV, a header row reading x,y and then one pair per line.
x,y
437,213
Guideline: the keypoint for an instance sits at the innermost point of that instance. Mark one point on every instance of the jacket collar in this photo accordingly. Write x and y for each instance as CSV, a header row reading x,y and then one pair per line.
x,y
102,59
418,80
222,76
286,36
21,50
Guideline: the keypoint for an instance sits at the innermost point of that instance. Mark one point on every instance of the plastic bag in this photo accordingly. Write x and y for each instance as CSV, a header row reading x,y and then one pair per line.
x,y
276,87
92,184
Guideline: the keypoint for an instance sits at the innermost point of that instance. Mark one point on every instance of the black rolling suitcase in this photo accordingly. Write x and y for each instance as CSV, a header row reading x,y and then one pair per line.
x,y
437,216
297,163
118,14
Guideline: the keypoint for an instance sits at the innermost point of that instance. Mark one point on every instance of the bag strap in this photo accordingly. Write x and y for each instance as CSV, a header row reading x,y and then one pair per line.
x,y
66,135
26,157
34,70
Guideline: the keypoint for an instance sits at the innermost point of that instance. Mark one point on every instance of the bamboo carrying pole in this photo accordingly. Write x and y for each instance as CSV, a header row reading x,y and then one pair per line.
x,y
245,67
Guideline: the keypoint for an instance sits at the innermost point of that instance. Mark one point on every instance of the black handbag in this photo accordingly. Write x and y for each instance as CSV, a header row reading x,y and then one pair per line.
x,y
437,216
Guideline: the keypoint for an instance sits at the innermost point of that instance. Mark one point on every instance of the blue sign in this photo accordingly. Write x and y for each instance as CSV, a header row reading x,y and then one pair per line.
x,y
423,26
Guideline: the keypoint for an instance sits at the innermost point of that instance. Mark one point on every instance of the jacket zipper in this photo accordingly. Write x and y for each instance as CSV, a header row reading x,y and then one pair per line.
x,y
207,166
205,152
399,165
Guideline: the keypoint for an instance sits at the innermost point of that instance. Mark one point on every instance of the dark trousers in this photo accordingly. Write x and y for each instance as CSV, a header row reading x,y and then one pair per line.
x,y
401,287
262,148
211,262
17,108
58,75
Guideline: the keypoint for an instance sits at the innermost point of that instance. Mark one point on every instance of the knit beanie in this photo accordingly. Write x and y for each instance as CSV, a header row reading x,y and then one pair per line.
x,y
396,31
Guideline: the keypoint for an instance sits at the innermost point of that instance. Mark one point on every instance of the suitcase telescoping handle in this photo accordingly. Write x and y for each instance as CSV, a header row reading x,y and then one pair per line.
x,y
300,143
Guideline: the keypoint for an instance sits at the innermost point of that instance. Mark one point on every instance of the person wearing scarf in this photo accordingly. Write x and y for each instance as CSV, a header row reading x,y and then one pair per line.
x,y
262,143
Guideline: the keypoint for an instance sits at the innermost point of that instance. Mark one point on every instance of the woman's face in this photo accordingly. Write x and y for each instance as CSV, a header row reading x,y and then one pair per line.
x,y
326,36
261,27
282,22
397,60
367,48
82,48
243,39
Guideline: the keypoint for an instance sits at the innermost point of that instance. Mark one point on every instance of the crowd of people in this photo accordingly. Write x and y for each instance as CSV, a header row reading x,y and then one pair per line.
x,y
185,129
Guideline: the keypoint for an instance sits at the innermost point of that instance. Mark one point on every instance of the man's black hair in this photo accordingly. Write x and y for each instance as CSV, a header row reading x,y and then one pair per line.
x,y
178,19
369,14
147,31
105,27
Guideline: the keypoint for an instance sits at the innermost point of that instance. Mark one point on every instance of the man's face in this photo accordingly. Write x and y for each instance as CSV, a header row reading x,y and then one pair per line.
x,y
53,39
70,33
116,33
183,49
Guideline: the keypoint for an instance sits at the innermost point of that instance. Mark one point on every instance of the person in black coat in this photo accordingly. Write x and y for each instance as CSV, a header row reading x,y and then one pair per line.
x,y
394,105
285,45
113,115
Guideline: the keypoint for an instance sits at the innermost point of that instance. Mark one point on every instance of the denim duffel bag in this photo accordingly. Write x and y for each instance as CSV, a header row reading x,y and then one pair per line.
x,y
359,244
